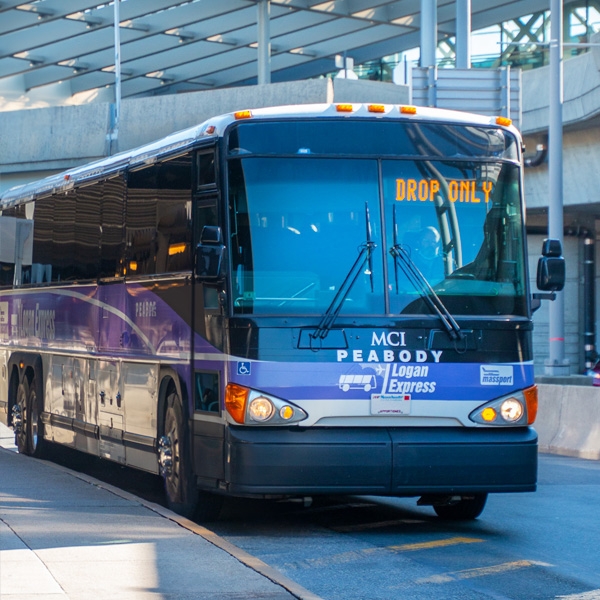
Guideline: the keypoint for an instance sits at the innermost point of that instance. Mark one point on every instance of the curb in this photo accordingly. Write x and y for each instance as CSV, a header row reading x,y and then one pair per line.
x,y
240,555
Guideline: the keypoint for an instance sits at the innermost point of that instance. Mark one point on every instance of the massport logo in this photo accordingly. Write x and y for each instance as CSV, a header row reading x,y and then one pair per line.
x,y
496,375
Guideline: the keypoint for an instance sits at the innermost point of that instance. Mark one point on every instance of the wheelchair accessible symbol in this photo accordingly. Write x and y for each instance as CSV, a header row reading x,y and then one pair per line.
x,y
243,368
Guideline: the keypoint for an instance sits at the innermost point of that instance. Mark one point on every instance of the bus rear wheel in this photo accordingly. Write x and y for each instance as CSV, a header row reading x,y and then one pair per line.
x,y
21,418
465,509
35,426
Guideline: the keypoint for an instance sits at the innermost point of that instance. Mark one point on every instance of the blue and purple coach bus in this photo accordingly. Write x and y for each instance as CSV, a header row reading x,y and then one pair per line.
x,y
296,301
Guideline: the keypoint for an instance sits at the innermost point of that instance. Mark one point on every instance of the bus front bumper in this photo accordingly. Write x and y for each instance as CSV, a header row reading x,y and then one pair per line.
x,y
380,461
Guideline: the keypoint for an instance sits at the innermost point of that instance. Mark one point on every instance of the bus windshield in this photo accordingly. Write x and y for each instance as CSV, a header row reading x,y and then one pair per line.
x,y
299,223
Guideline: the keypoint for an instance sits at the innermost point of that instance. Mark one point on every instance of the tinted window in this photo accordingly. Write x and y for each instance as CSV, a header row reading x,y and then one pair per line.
x,y
88,213
44,255
207,176
448,228
16,239
378,138
76,236
158,217
299,226
112,240
63,237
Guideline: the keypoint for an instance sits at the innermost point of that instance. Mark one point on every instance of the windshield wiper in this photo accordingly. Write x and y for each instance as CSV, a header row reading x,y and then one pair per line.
x,y
419,281
364,257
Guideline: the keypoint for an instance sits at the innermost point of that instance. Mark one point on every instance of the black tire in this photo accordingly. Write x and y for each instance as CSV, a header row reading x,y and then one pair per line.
x,y
22,401
182,494
208,507
35,426
180,488
466,509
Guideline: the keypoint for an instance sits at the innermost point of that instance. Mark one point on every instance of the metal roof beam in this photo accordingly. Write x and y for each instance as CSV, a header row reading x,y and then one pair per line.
x,y
183,44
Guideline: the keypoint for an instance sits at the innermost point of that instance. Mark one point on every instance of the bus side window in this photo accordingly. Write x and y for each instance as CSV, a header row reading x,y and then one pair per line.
x,y
112,236
16,241
43,247
88,215
175,215
206,214
140,218
63,237
206,174
207,392
159,207
205,202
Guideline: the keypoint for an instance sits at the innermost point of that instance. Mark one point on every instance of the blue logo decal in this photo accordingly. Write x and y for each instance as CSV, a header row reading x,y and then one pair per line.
x,y
244,368
496,375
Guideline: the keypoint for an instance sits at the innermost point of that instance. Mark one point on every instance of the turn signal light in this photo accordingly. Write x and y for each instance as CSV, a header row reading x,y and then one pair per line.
x,y
488,415
531,400
236,397
504,121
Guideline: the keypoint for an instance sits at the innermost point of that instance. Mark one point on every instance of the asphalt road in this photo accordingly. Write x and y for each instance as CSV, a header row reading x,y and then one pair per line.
x,y
541,545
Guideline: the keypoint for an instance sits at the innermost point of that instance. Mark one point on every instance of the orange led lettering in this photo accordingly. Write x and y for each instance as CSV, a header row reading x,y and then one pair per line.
x,y
464,191
459,190
400,189
411,188
423,190
486,186
453,191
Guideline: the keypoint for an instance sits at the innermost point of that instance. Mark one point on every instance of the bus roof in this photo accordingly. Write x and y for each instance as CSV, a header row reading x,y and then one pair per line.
x,y
214,127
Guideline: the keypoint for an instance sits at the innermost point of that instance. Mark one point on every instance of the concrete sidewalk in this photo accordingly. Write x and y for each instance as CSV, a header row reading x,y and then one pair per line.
x,y
64,535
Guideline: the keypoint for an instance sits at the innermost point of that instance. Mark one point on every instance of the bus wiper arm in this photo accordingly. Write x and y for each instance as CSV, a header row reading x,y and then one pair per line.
x,y
333,310
420,283
364,257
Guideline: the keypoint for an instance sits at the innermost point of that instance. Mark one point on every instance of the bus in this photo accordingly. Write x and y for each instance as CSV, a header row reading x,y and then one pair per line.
x,y
283,302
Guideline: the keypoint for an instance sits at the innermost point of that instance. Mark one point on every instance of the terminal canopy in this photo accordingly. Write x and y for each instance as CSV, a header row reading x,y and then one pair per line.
x,y
168,46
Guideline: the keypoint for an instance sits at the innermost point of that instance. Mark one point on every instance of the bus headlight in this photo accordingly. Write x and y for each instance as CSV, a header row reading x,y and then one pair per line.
x,y
511,410
261,409
250,407
519,408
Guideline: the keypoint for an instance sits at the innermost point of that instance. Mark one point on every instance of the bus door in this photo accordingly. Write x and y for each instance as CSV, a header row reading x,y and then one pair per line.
x,y
209,330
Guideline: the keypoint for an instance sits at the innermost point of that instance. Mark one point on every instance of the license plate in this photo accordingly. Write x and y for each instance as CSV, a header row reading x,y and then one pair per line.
x,y
390,404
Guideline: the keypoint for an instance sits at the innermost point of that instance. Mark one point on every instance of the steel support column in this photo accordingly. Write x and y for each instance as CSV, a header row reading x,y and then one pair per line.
x,y
113,142
556,364
264,41
463,34
428,32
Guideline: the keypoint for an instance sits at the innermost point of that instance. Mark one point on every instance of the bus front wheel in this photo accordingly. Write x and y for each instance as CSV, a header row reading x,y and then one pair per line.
x,y
175,460
465,509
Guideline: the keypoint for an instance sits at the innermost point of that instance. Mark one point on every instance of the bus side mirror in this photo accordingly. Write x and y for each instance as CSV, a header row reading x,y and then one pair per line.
x,y
551,267
209,253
